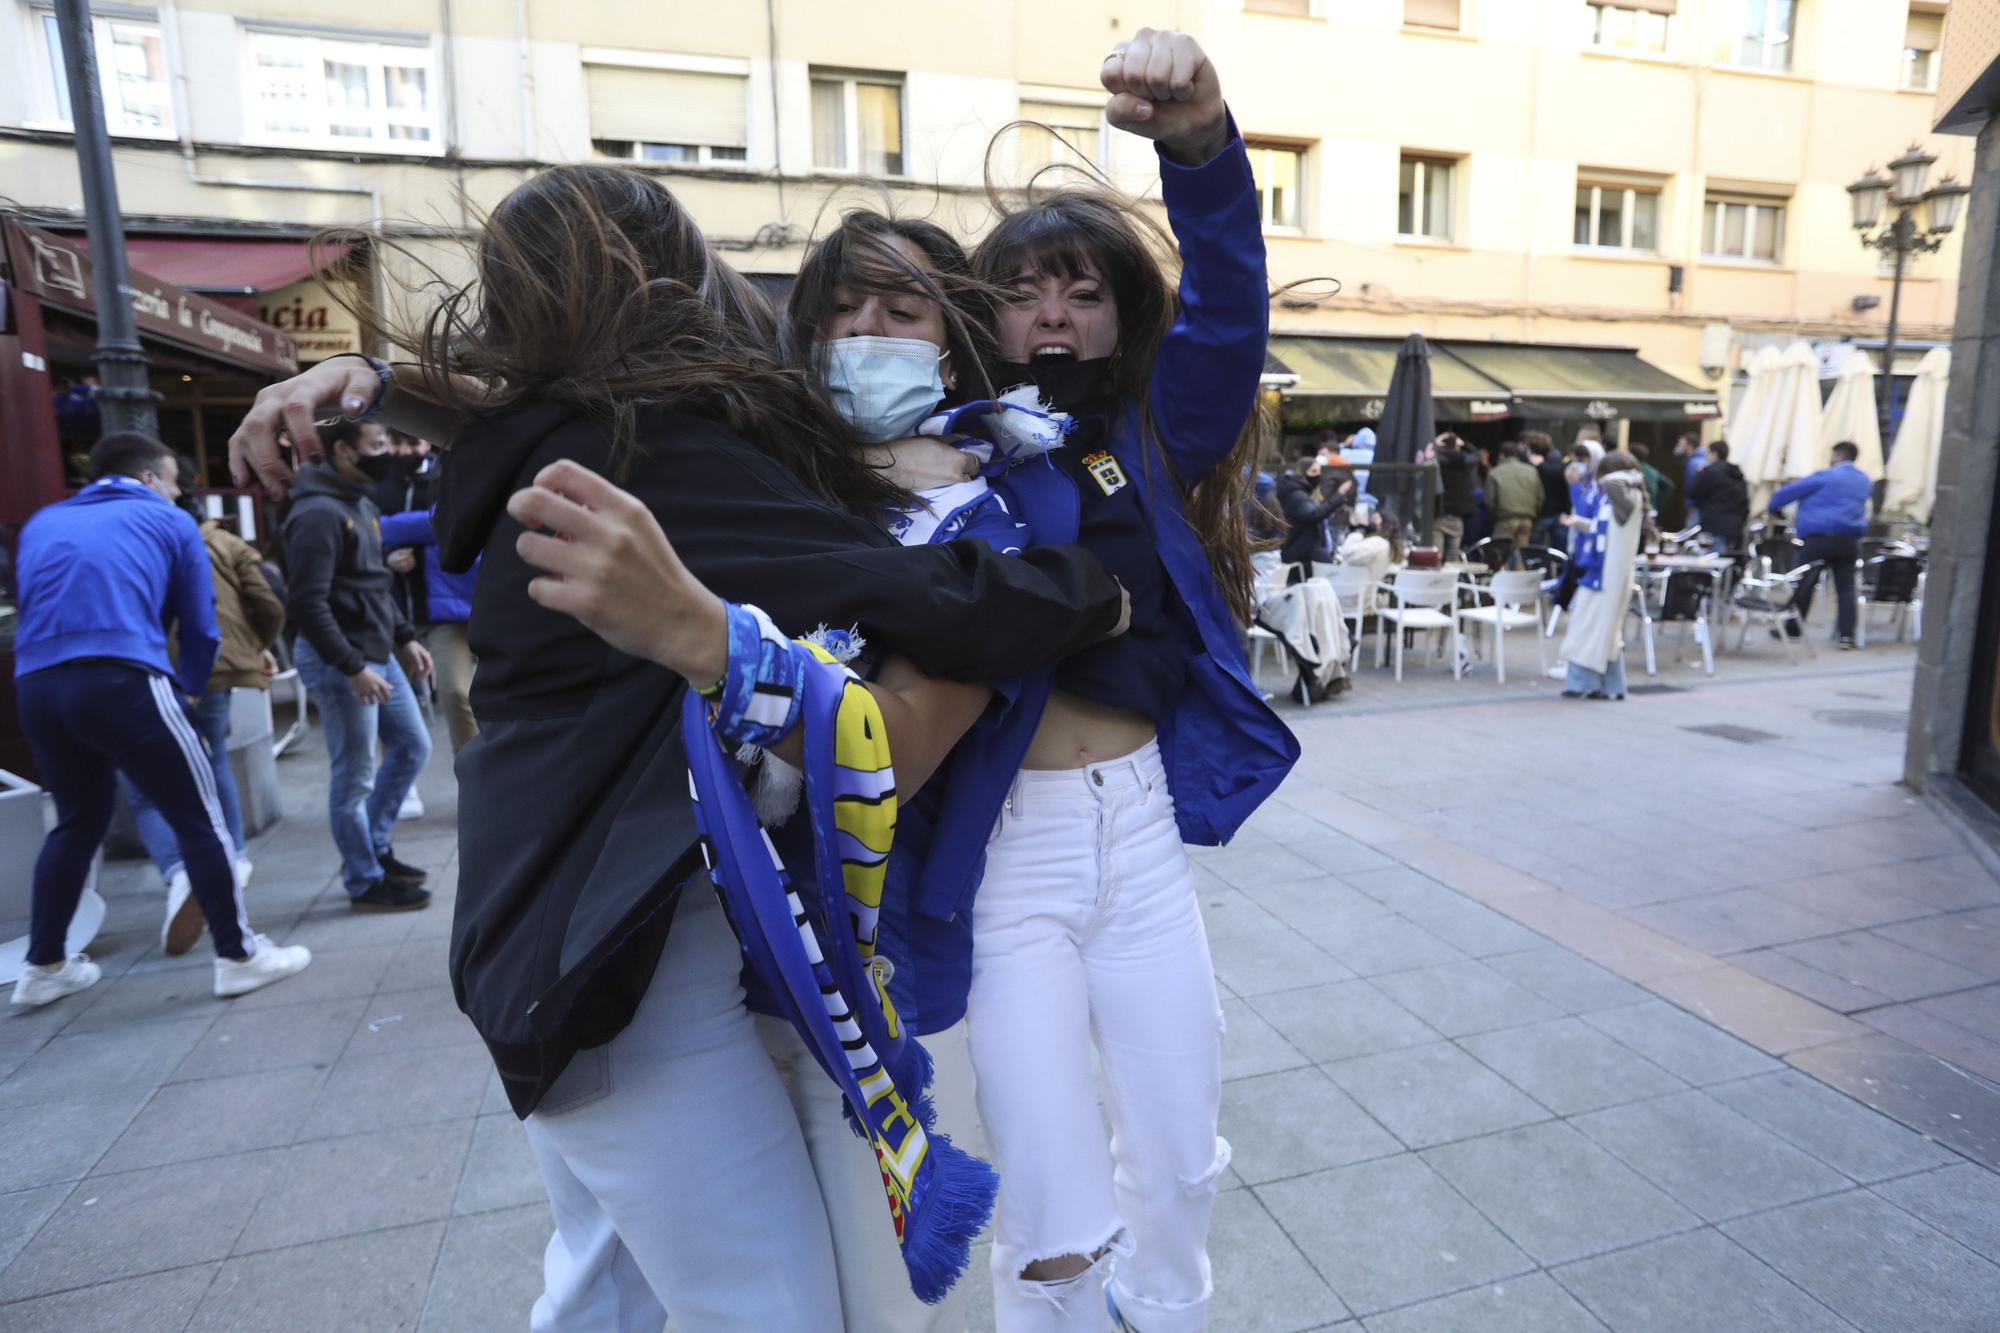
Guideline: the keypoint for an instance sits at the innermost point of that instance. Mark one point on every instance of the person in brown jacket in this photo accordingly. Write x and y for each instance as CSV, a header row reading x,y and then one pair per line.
x,y
1514,495
250,615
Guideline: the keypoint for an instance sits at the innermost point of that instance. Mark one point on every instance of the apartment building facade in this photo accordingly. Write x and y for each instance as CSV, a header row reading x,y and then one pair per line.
x,y
1665,176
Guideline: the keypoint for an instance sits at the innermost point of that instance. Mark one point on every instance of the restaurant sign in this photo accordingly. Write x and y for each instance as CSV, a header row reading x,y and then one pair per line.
x,y
59,272
307,312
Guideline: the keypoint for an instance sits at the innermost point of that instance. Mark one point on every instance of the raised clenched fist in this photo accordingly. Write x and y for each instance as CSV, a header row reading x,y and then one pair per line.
x,y
1163,88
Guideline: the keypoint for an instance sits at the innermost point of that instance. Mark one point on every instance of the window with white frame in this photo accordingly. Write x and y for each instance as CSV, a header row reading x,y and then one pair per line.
x,y
1616,214
336,92
1443,14
1766,37
1922,36
1280,172
1078,136
650,114
1424,197
1747,229
1630,25
131,69
857,123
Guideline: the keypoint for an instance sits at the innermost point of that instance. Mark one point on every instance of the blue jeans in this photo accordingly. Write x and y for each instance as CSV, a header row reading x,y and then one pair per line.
x,y
1610,681
211,723
361,800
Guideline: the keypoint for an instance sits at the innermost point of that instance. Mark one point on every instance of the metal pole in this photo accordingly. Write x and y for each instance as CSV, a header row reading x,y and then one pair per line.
x,y
1902,236
124,394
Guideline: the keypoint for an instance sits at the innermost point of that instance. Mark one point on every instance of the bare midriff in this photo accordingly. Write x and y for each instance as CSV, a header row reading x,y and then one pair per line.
x,y
1076,733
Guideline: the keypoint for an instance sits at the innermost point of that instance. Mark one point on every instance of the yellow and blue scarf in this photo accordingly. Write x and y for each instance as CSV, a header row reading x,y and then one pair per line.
x,y
821,962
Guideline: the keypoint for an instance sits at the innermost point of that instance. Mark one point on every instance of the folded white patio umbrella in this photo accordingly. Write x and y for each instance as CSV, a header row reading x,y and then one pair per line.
x,y
1913,463
1748,427
1849,415
1785,429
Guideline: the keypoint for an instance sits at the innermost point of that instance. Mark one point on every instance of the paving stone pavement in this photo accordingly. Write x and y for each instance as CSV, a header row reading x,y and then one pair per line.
x,y
1541,1017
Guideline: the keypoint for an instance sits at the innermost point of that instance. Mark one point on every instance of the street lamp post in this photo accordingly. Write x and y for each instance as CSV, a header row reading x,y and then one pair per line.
x,y
124,393
1902,238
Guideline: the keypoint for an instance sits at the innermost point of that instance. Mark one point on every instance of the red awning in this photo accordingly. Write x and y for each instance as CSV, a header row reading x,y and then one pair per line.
x,y
216,265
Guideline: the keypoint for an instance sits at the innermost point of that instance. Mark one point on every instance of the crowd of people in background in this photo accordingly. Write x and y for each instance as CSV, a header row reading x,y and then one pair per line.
x,y
1515,502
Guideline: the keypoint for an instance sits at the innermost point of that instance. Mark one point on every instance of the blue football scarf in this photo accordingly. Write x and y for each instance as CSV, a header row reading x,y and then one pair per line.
x,y
821,964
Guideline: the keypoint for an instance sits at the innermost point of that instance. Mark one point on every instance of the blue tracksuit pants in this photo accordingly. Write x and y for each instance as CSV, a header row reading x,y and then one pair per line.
x,y
88,721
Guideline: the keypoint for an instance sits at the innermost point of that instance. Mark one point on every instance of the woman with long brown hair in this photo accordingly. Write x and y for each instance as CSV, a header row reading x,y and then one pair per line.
x,y
602,338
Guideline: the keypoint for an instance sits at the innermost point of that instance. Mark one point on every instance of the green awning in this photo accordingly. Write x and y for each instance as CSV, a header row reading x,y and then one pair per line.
x,y
1346,379
1584,383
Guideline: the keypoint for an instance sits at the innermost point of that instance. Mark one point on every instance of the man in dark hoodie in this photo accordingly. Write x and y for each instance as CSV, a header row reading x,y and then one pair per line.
x,y
1721,495
357,655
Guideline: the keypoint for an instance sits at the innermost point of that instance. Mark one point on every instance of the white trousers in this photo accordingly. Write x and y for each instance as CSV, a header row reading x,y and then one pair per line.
x,y
875,1291
674,1162
1086,929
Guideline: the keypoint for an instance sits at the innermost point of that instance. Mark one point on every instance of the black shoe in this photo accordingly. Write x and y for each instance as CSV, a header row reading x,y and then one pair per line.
x,y
400,870
390,895
1572,694
1848,645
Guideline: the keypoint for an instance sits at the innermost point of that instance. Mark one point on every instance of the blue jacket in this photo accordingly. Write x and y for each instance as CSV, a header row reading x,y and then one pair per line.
x,y
1225,750
102,573
448,596
1833,502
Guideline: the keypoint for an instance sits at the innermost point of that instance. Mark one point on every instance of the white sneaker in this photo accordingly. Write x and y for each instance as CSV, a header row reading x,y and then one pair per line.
x,y
184,921
38,985
271,962
412,807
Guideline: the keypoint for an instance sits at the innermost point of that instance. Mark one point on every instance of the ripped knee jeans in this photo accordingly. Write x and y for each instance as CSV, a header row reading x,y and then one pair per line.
x,y
1086,931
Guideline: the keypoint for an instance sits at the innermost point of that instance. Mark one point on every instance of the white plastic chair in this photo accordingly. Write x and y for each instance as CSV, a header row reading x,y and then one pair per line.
x,y
1357,594
1272,580
1419,599
1509,599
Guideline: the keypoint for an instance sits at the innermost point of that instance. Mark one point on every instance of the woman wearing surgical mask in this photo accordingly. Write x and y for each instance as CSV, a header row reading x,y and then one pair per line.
x,y
603,338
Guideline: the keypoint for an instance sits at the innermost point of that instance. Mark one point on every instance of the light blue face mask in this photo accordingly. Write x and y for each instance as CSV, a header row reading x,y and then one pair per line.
x,y
883,387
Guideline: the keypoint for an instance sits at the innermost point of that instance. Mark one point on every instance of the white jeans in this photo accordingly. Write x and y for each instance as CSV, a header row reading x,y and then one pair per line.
x,y
675,1166
875,1290
1086,928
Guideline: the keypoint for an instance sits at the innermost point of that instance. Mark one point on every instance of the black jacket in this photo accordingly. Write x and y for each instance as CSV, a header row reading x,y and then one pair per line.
x,y
1304,511
575,831
1458,477
1721,494
1555,486
338,592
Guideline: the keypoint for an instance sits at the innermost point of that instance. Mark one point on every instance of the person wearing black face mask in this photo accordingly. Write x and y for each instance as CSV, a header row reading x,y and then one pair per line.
x,y
357,654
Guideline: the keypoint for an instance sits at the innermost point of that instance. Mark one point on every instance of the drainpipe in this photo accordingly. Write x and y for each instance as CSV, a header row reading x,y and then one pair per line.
x,y
525,62
170,31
